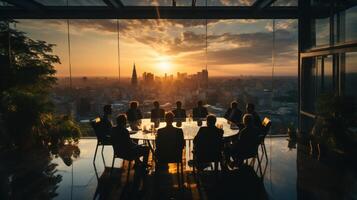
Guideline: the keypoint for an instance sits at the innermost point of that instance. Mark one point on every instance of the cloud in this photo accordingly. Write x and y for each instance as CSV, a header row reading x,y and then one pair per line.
x,y
185,39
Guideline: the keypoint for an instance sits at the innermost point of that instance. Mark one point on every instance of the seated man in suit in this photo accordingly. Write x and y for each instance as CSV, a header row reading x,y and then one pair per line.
x,y
246,144
179,112
123,144
250,109
234,114
157,112
199,111
208,142
169,142
105,121
134,115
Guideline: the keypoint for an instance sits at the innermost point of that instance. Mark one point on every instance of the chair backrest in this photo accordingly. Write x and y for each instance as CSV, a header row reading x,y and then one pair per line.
x,y
208,147
266,124
98,129
168,148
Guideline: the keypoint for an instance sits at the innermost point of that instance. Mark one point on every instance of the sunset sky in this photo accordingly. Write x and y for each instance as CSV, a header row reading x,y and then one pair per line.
x,y
235,47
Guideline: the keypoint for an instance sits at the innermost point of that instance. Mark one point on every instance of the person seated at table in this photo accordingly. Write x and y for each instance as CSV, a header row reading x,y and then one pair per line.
x,y
250,109
199,111
157,112
234,114
105,121
179,112
169,141
124,146
134,115
208,143
246,143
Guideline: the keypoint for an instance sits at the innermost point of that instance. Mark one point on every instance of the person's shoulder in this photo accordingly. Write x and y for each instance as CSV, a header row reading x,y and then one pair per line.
x,y
204,128
220,131
177,129
161,129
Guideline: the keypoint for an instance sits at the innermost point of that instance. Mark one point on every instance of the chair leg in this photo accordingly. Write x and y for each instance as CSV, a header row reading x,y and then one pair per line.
x,y
128,175
260,166
95,153
265,152
178,175
182,176
111,170
103,155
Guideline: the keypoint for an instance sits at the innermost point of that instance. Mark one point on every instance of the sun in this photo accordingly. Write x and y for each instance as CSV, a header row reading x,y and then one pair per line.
x,y
164,64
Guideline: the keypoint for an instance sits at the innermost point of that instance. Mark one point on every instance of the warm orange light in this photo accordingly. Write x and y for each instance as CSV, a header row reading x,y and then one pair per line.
x,y
164,64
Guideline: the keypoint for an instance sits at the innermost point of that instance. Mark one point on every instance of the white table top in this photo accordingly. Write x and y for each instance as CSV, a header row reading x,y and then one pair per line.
x,y
190,129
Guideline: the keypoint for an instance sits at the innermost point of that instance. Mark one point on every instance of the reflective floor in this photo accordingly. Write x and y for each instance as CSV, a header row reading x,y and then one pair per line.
x,y
289,173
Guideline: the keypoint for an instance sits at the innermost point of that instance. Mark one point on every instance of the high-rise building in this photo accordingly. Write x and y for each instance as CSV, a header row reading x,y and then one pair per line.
x,y
134,77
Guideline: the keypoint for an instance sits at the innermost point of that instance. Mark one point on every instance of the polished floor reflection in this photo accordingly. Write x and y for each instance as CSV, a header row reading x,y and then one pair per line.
x,y
68,173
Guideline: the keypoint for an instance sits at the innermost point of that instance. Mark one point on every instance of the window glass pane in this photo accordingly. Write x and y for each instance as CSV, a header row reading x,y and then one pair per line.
x,y
285,76
351,79
328,74
322,31
351,24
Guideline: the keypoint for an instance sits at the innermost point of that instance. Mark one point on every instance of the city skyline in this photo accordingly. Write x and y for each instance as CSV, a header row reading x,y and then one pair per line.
x,y
235,47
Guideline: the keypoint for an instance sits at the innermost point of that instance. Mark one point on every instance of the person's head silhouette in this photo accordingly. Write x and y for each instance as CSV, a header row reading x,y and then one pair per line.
x,y
156,104
234,105
121,120
211,120
200,103
107,109
178,104
169,118
250,108
134,104
248,120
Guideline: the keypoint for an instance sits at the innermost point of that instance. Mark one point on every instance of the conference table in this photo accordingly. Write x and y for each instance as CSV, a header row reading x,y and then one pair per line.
x,y
190,127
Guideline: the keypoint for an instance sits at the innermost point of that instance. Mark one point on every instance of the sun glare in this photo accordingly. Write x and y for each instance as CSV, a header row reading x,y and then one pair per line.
x,y
164,65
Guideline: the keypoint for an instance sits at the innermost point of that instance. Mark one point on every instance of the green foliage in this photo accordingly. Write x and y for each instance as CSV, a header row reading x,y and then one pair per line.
x,y
58,129
26,107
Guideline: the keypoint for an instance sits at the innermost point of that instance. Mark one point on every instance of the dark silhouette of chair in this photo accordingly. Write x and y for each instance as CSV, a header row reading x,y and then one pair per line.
x,y
172,157
266,124
201,160
253,155
102,138
120,155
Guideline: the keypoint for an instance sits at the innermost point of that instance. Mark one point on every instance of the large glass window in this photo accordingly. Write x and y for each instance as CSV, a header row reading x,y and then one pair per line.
x,y
322,31
351,77
351,24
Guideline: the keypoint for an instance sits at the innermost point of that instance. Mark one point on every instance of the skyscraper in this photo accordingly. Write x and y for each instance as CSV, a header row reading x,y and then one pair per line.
x,y
134,77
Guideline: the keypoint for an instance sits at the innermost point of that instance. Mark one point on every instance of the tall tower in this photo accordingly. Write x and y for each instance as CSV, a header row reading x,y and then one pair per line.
x,y
134,77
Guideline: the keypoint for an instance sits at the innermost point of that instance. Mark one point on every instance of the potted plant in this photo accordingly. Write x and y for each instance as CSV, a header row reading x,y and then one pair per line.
x,y
330,129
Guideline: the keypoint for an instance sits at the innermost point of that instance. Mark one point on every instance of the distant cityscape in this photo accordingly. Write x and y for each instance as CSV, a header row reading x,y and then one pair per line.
x,y
275,98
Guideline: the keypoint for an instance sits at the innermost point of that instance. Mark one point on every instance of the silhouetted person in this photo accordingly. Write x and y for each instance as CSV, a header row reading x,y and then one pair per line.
x,y
157,112
169,140
234,114
179,112
105,121
250,109
124,146
134,115
246,143
199,111
208,142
